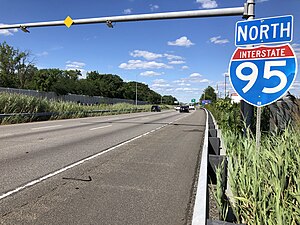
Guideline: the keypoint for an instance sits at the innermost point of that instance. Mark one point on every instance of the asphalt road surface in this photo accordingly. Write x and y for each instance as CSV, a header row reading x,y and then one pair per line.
x,y
125,169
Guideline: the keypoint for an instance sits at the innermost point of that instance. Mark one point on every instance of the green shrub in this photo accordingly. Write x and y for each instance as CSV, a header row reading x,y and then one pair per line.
x,y
226,114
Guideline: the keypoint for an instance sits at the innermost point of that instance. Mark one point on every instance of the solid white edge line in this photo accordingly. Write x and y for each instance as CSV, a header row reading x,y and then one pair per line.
x,y
96,128
40,128
199,214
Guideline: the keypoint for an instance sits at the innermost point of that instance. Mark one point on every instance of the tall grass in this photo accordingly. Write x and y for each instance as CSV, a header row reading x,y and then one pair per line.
x,y
17,103
265,183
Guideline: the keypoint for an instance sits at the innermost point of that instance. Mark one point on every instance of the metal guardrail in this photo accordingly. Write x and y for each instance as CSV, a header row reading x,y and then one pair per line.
x,y
51,114
211,159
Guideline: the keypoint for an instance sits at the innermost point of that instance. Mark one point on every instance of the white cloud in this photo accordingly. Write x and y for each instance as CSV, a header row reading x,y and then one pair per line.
x,y
187,89
296,48
183,84
145,54
193,78
127,11
204,81
172,57
74,64
151,55
179,81
218,40
208,4
153,7
260,1
139,64
195,75
150,74
177,62
8,32
184,67
160,83
44,53
183,42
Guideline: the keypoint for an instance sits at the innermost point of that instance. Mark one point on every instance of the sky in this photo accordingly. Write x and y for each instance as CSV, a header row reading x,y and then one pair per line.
x,y
179,57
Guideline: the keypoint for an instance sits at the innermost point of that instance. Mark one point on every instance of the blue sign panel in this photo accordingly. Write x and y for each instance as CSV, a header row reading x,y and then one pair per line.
x,y
262,75
205,102
263,31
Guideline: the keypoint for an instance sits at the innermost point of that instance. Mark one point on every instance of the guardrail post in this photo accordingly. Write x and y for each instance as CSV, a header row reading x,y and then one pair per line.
x,y
215,161
214,145
212,133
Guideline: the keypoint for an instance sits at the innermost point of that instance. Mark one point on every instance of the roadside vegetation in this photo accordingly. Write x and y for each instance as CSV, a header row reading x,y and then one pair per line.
x,y
265,182
17,104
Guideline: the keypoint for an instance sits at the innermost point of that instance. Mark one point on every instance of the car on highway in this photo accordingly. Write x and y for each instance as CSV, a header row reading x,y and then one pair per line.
x,y
184,108
191,107
177,108
155,108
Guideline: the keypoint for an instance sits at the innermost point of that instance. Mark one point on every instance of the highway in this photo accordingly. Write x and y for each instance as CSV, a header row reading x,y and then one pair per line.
x,y
125,169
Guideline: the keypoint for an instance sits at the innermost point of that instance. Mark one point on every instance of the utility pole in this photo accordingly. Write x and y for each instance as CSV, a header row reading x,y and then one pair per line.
x,y
136,93
225,85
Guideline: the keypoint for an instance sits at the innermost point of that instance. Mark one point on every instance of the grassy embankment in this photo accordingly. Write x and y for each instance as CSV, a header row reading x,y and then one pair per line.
x,y
16,103
265,182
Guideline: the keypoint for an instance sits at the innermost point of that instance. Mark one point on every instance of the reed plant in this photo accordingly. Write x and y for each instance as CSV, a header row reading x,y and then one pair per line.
x,y
265,182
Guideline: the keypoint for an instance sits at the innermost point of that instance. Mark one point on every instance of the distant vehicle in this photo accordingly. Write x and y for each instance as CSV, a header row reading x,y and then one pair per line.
x,y
177,108
155,108
191,107
184,108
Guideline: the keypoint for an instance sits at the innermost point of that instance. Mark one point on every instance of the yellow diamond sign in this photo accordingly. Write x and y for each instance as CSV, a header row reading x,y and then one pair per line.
x,y
68,22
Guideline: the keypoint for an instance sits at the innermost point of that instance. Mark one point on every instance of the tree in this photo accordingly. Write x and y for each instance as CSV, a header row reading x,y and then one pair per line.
x,y
16,68
85,87
168,100
107,85
209,94
45,79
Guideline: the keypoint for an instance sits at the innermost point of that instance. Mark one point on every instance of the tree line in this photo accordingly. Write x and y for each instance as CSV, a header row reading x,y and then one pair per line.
x,y
17,70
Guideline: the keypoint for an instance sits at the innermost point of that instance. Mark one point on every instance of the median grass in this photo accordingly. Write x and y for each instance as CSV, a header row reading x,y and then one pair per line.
x,y
17,103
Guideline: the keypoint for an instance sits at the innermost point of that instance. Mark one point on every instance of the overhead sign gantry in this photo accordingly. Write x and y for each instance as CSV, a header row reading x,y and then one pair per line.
x,y
127,18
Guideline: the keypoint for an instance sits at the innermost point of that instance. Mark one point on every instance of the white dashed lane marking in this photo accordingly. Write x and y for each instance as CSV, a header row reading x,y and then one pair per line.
x,y
48,127
96,128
